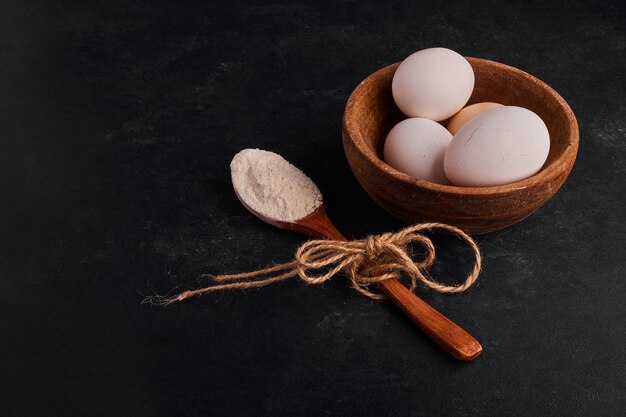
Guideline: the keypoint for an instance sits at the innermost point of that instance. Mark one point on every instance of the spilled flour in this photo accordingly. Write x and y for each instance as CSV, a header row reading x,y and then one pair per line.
x,y
269,184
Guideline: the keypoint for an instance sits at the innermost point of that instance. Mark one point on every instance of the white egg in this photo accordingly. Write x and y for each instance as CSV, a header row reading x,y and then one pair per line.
x,y
434,83
417,147
499,146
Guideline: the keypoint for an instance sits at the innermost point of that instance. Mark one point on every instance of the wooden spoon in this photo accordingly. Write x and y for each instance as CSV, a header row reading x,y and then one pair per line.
x,y
453,339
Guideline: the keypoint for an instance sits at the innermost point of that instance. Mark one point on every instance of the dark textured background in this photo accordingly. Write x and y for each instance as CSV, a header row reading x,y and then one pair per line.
x,y
118,120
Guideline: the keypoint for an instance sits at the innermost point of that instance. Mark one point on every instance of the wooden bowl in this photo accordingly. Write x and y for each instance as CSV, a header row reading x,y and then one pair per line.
x,y
371,113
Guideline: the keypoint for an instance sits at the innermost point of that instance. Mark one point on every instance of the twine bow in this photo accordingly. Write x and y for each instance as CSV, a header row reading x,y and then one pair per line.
x,y
366,263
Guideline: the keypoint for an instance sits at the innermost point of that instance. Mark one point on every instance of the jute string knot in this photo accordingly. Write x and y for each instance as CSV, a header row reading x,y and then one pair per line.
x,y
365,262
375,245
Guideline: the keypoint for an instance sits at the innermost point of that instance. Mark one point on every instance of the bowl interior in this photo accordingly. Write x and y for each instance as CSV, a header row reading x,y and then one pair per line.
x,y
495,82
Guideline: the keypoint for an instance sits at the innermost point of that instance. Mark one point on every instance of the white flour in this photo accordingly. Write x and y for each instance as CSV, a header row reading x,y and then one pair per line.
x,y
269,184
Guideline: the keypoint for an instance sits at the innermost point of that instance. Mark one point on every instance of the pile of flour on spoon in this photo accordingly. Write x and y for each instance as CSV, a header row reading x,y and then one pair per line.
x,y
270,185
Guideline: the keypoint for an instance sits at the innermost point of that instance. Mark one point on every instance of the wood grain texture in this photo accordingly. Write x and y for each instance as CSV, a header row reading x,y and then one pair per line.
x,y
371,113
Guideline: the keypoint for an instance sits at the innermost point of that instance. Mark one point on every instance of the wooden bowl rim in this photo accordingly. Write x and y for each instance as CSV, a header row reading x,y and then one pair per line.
x,y
563,162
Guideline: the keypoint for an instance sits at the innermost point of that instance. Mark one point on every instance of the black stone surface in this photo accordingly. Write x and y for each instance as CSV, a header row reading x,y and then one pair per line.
x,y
118,120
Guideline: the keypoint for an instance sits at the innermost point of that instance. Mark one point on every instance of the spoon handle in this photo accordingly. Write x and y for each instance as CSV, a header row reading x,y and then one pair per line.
x,y
452,338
